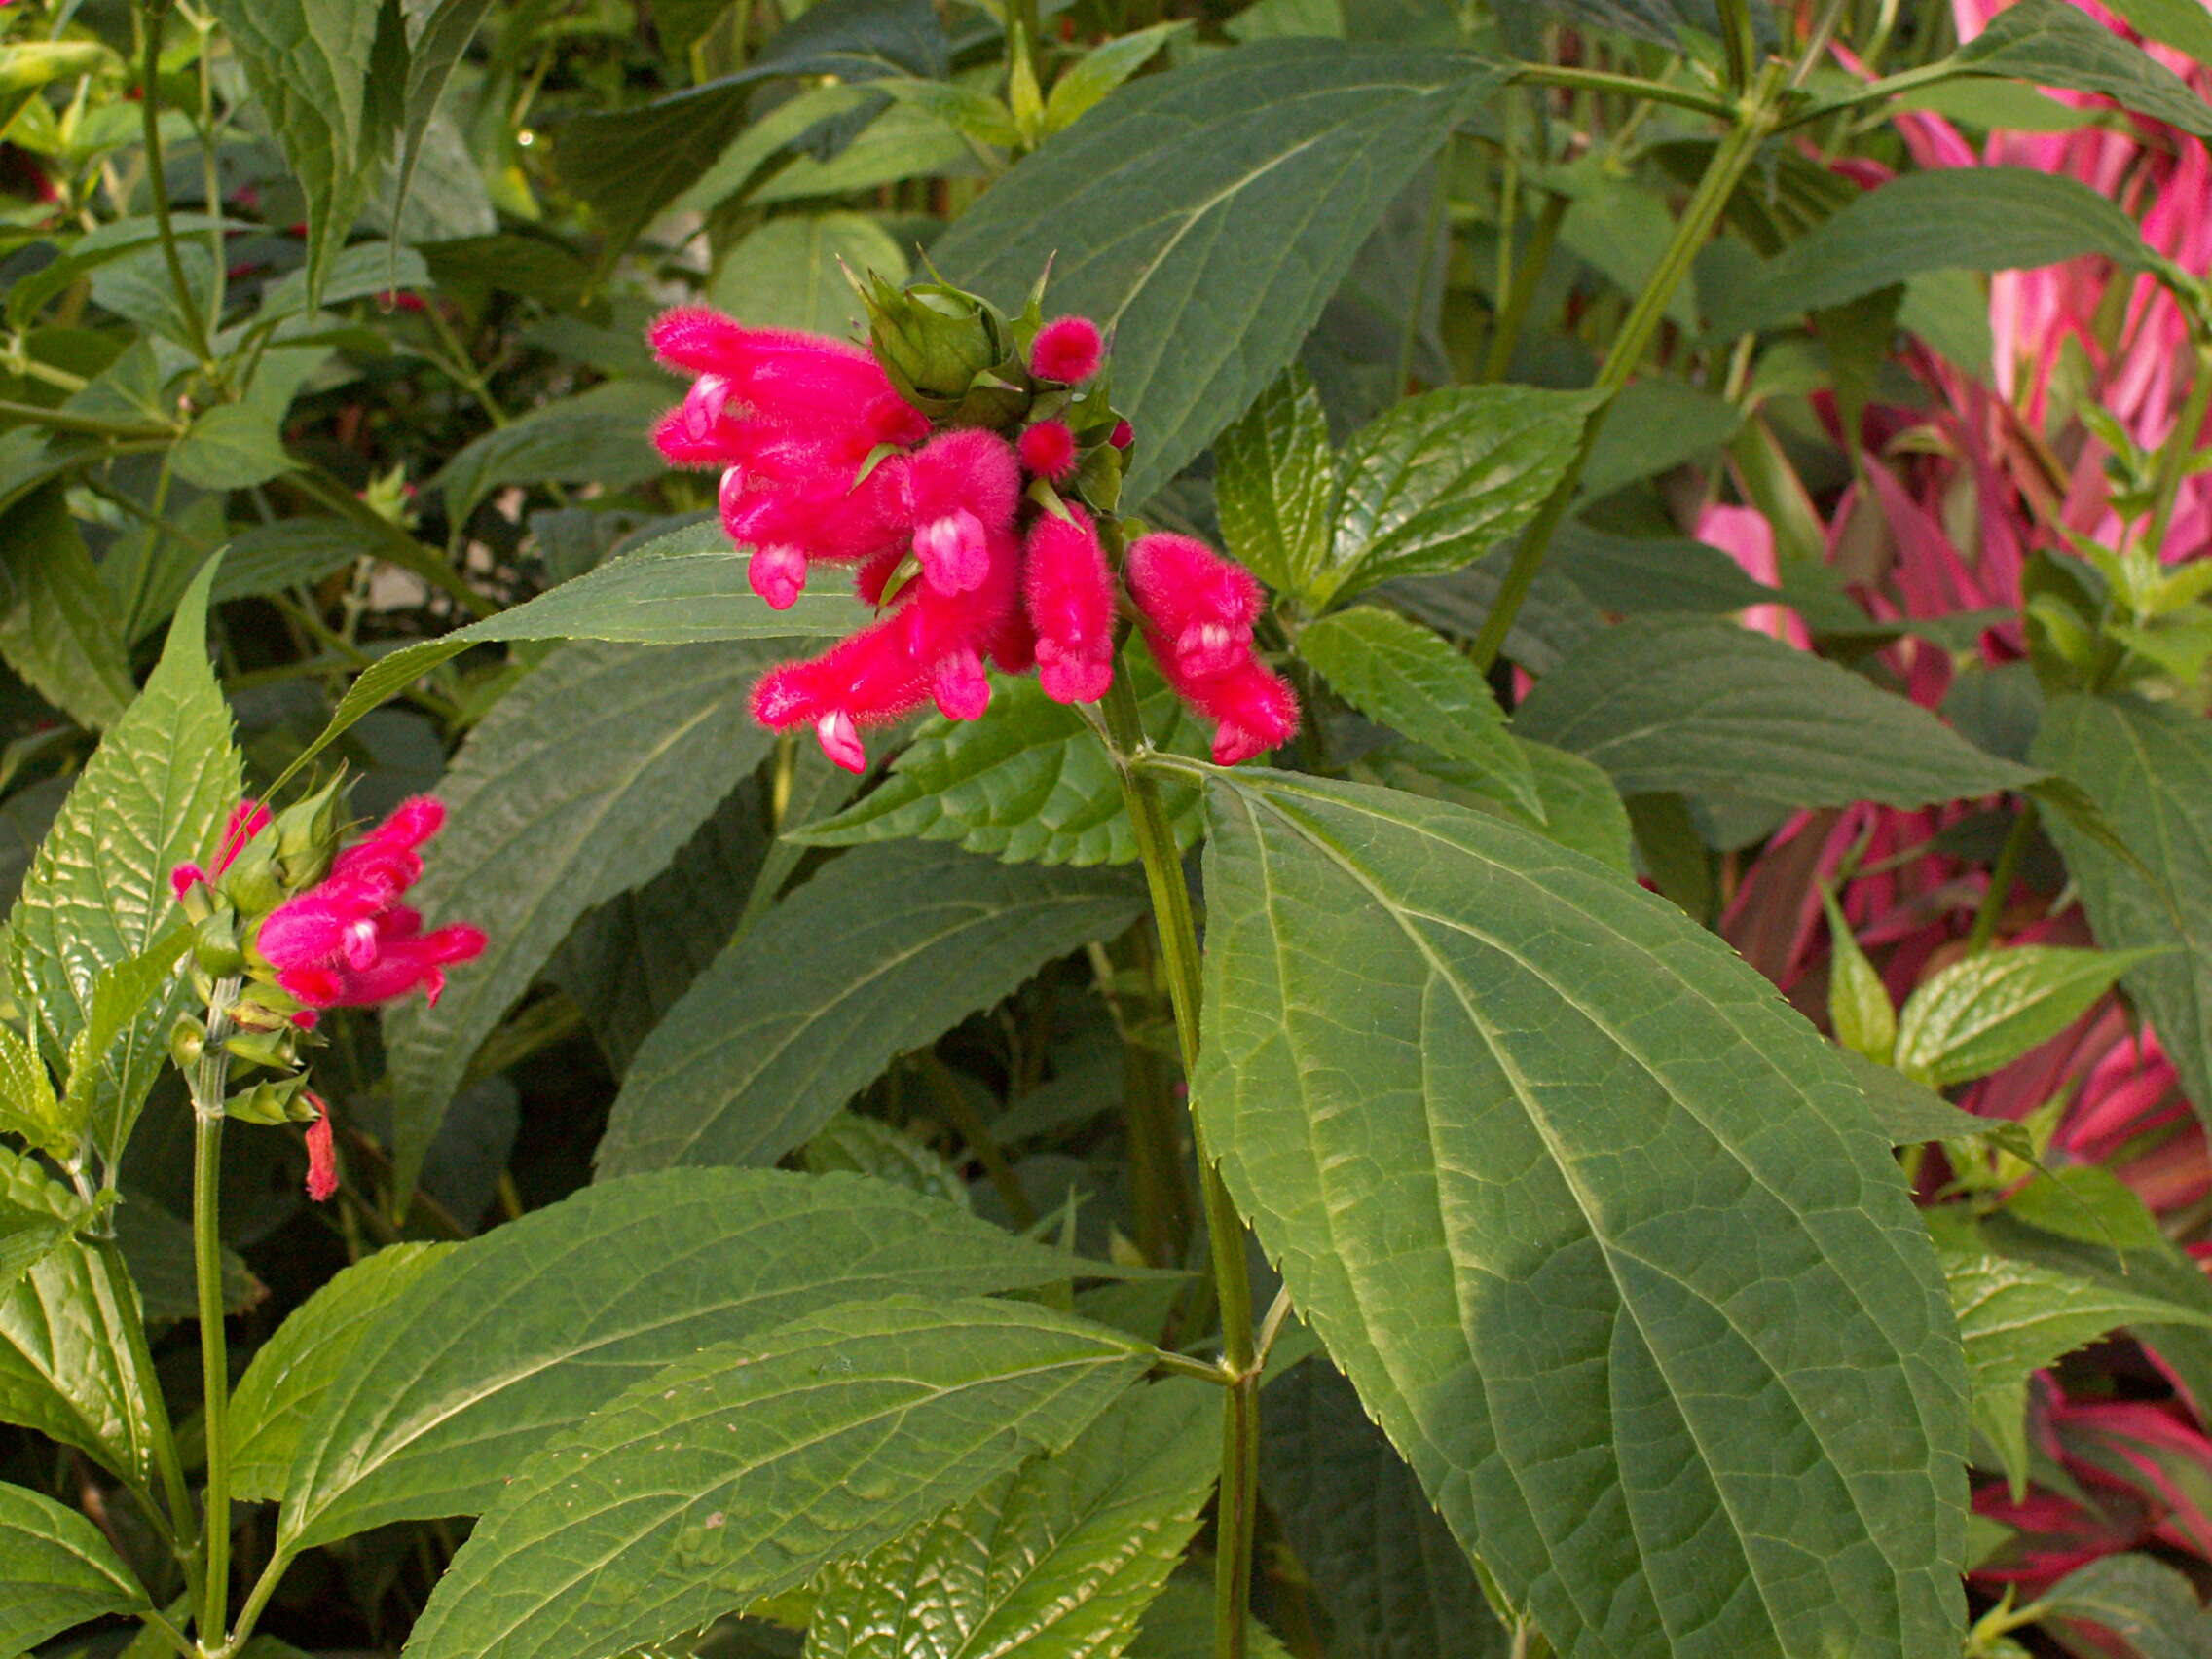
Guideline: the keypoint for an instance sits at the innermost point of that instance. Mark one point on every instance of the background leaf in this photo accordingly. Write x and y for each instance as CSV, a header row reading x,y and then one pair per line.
x,y
879,953
1685,704
56,1570
786,273
755,1464
58,624
1595,1225
2150,770
529,1329
2056,45
581,783
1969,1019
2141,1599
1206,215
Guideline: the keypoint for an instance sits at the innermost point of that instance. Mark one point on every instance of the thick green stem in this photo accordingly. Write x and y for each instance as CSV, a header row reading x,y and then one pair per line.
x,y
1754,121
207,1084
1629,86
1237,1507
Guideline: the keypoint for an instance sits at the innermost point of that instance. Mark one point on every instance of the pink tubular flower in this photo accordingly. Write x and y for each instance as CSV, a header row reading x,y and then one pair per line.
x,y
961,489
247,819
1047,449
1198,608
1069,595
1067,350
348,942
322,1151
778,375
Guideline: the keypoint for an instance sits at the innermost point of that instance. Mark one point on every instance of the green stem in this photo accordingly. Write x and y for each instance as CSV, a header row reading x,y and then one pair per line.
x,y
1754,121
1513,311
2001,875
168,1632
157,187
1629,86
264,1587
208,1080
87,426
1237,1507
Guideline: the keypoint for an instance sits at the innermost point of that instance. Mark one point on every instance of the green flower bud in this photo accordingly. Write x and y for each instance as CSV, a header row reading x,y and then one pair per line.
x,y
276,1049
272,1101
933,340
215,947
306,834
188,1040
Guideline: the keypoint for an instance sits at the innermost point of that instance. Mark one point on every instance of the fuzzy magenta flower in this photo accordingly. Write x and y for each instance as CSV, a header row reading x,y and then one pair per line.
x,y
348,942
1198,609
1067,350
1048,450
960,491
1069,595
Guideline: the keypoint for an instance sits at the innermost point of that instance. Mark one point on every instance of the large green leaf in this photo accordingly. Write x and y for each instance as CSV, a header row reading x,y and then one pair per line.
x,y
580,784
1275,482
598,436
1062,1557
2181,23
525,1331
1443,478
438,32
1975,1015
308,63
745,1469
1666,703
1384,1565
67,1358
282,1391
154,794
1405,676
789,273
879,953
57,1571
2016,1317
1597,1225
58,624
1947,218
1205,215
2150,770
1580,808
684,588
2056,45
1029,781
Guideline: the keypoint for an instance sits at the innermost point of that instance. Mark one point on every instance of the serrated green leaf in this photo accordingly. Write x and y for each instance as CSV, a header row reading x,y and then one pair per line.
x,y
2137,1598
309,64
1443,478
154,794
1180,1625
270,558
687,587
581,783
284,1389
1090,77
58,624
2088,1203
1276,484
57,1571
28,1235
2056,45
1947,218
524,1332
1207,214
1383,1564
2148,769
1062,1557
1683,704
1582,810
755,1464
1404,676
882,952
1860,1011
1912,1114
1597,1226
1985,1011
1029,780
122,992
28,1106
438,32
868,1146
157,1247
66,1366
786,273
2016,1317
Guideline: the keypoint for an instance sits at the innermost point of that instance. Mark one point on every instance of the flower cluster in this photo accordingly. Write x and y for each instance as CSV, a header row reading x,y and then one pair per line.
x,y
964,469
286,925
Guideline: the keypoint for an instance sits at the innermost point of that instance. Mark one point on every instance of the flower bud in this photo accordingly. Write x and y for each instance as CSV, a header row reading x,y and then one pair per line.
x,y
933,340
277,1049
271,1101
305,836
188,1041
215,947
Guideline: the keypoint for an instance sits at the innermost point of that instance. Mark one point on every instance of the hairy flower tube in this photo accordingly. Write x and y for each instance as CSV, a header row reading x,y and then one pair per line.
x,y
904,460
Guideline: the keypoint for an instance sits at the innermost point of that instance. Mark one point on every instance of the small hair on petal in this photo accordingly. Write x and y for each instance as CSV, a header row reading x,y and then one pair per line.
x,y
1067,350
